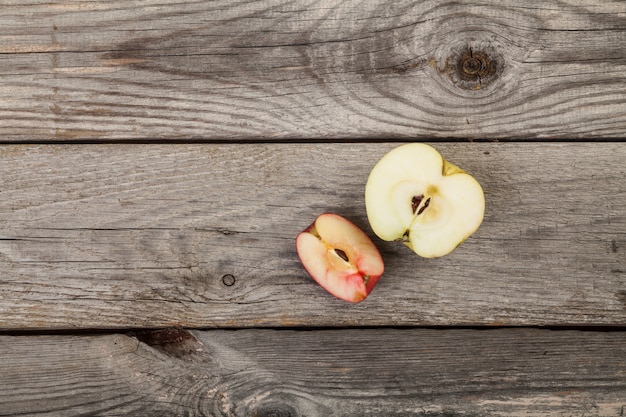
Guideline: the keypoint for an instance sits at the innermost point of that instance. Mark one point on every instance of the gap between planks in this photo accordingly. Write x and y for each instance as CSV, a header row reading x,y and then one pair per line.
x,y
303,141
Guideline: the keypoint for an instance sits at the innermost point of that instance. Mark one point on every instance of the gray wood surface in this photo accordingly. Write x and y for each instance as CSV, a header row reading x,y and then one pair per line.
x,y
269,373
291,103
125,236
308,69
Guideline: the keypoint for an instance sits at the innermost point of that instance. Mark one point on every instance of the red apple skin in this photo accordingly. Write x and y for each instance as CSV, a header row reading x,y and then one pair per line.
x,y
351,280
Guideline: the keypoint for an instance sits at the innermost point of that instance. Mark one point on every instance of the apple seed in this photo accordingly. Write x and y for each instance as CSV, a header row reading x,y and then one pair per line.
x,y
415,202
341,254
421,210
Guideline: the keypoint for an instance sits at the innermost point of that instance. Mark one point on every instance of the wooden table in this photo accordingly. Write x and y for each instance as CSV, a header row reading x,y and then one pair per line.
x,y
158,158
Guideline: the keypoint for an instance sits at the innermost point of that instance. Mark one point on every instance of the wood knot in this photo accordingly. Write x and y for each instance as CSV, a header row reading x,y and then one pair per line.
x,y
474,67
174,341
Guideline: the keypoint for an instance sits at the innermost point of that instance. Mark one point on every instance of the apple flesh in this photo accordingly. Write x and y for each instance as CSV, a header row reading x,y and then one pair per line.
x,y
415,196
340,257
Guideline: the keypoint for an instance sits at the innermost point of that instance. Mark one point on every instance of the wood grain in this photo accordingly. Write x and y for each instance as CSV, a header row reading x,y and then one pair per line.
x,y
265,373
308,69
127,236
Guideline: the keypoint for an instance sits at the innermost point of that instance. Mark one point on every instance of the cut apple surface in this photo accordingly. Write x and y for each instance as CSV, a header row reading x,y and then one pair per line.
x,y
414,196
340,257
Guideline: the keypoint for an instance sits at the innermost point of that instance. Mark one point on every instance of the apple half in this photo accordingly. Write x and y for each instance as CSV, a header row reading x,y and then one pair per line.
x,y
340,257
415,196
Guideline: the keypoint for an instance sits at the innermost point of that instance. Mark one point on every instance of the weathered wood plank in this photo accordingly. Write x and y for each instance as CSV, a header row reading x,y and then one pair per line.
x,y
119,236
310,69
328,373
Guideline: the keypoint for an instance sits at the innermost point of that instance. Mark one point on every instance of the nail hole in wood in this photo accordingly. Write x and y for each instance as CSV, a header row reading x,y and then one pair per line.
x,y
228,280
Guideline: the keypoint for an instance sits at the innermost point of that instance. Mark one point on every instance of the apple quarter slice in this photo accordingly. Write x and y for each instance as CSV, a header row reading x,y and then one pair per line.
x,y
340,257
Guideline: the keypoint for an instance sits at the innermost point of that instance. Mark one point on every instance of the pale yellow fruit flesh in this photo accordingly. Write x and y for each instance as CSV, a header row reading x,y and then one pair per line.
x,y
363,255
452,216
455,200
404,172
334,274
